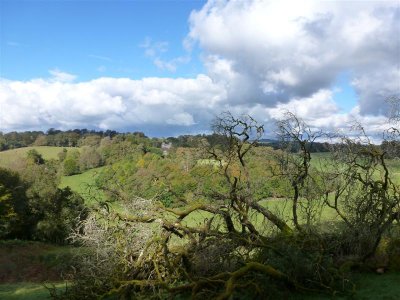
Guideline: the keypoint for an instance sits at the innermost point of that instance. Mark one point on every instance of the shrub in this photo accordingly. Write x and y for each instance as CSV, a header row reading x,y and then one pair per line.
x,y
71,163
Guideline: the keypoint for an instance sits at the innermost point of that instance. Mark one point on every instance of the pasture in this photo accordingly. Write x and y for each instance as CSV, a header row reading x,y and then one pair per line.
x,y
80,183
84,184
11,158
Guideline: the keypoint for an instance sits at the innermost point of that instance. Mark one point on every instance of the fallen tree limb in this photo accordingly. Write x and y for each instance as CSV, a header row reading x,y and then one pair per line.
x,y
249,267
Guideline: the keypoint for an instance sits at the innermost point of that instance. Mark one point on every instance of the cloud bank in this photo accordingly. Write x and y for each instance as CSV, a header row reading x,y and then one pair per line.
x,y
273,51
261,58
107,103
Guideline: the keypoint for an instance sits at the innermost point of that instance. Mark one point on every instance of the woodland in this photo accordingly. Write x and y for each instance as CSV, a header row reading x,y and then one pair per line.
x,y
228,215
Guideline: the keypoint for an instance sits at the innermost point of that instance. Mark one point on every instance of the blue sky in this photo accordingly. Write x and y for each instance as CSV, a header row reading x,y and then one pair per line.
x,y
345,96
92,38
169,67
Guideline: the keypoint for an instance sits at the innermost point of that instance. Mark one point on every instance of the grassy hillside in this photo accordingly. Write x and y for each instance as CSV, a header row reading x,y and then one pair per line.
x,y
9,158
320,160
83,184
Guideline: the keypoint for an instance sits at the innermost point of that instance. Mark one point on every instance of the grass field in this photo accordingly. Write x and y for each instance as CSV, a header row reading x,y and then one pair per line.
x,y
321,160
368,286
81,183
84,185
11,157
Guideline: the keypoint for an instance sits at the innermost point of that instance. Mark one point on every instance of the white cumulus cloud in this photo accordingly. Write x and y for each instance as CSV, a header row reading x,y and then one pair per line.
x,y
261,58
116,103
273,51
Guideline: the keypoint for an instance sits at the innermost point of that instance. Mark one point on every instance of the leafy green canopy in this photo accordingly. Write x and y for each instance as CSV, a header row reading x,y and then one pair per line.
x,y
33,207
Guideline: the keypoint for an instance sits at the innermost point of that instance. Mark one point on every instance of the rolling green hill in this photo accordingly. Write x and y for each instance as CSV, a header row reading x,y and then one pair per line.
x,y
84,184
10,158
81,183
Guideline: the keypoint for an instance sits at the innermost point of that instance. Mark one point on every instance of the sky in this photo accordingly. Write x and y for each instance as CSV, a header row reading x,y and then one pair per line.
x,y
169,67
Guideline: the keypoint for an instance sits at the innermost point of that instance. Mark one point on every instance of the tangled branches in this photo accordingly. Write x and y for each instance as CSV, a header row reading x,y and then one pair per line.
x,y
217,246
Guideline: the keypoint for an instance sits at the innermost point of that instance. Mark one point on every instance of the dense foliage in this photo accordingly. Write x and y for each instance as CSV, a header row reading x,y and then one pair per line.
x,y
212,216
232,219
33,207
52,137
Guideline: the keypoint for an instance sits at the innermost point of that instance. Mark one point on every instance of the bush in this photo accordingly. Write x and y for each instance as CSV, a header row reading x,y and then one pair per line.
x,y
35,157
89,158
13,203
61,217
71,163
33,207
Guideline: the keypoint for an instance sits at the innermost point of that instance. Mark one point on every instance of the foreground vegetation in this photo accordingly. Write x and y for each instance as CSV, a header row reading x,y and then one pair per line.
x,y
27,266
27,291
223,217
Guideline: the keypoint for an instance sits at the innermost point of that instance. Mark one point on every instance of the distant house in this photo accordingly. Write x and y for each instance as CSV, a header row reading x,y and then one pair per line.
x,y
165,147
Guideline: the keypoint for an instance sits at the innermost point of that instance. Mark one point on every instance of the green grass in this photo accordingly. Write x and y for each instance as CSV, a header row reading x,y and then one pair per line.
x,y
9,158
321,160
26,290
373,286
81,183
368,286
26,265
84,184
280,207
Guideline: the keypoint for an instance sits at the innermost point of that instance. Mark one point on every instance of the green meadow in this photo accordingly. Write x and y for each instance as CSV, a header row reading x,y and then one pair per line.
x,y
84,184
9,158
80,183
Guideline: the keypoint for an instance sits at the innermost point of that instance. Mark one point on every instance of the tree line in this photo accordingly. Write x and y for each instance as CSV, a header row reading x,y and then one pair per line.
x,y
53,137
87,137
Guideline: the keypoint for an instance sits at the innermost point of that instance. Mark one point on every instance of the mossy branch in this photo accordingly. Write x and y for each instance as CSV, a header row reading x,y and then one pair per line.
x,y
250,267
